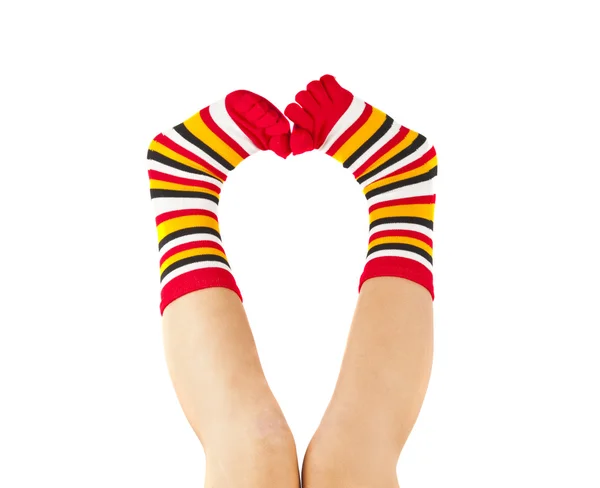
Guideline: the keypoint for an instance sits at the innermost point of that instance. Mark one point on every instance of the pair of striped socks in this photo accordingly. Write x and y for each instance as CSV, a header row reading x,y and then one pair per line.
x,y
189,164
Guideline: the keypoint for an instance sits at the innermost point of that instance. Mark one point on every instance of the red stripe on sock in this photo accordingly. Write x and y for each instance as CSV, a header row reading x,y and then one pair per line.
x,y
183,213
398,267
397,139
173,146
414,165
220,133
402,233
190,245
199,279
351,130
157,175
403,201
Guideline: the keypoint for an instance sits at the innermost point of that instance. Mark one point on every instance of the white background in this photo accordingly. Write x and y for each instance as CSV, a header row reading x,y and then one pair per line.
x,y
508,93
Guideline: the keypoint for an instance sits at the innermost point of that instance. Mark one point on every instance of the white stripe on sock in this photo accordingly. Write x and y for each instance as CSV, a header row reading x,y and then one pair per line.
x,y
162,205
192,267
401,254
416,190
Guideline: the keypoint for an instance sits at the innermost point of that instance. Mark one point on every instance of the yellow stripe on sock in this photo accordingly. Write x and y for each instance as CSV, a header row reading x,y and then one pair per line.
x,y
189,253
423,210
403,144
196,126
402,240
169,226
165,151
360,136
167,185
403,176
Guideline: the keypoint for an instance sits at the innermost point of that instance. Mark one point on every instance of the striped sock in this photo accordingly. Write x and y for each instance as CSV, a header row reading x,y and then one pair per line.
x,y
187,168
394,165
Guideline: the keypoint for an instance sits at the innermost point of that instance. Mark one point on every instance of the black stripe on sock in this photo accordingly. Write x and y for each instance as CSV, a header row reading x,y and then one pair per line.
x,y
399,184
402,220
190,260
387,123
183,131
156,193
407,151
156,156
401,247
186,232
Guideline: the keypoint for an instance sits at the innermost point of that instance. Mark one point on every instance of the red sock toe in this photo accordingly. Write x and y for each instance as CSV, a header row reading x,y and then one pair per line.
x,y
260,120
301,141
280,145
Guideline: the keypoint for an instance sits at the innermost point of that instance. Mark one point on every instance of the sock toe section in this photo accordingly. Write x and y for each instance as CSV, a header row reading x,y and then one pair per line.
x,y
335,91
260,120
299,116
301,141
317,111
280,145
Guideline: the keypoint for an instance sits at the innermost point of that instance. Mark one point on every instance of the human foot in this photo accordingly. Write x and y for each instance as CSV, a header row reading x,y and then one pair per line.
x,y
394,165
188,166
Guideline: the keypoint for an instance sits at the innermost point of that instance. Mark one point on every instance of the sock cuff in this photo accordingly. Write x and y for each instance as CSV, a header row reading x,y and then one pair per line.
x,y
199,279
398,267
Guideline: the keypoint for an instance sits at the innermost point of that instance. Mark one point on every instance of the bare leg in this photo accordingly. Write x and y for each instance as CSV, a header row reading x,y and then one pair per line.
x,y
380,389
220,384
